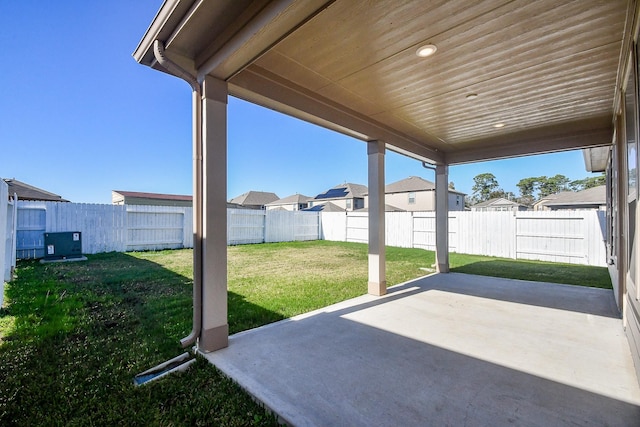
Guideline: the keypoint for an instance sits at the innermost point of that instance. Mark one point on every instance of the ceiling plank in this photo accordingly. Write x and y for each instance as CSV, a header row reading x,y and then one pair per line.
x,y
262,87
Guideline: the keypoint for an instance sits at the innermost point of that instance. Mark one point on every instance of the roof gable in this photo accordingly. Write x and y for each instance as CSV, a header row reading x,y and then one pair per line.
x,y
413,183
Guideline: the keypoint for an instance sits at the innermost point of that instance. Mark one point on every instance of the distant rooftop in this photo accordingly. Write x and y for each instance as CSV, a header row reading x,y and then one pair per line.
x,y
343,191
590,196
140,194
387,208
498,201
255,198
29,192
325,207
413,183
293,199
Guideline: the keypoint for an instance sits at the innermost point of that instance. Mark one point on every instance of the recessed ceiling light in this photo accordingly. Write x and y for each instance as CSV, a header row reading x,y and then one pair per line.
x,y
498,125
426,50
472,96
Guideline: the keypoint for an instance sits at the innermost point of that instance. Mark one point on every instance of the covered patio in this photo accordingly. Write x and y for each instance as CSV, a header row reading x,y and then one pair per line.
x,y
445,83
448,349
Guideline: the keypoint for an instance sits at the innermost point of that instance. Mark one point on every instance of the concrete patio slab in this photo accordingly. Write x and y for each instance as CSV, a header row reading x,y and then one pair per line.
x,y
446,350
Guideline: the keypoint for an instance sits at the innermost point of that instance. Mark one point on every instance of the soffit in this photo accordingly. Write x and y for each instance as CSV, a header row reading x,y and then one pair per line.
x,y
546,69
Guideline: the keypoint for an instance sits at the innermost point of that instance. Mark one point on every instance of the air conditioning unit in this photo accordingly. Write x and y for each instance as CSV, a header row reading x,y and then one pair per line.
x,y
66,245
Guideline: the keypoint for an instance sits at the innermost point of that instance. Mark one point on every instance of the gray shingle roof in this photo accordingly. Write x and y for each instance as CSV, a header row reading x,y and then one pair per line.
x,y
255,198
29,192
186,198
387,208
590,196
294,198
325,207
413,183
350,191
498,201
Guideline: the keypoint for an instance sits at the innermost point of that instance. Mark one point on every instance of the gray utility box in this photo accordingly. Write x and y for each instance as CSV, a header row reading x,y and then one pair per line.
x,y
62,245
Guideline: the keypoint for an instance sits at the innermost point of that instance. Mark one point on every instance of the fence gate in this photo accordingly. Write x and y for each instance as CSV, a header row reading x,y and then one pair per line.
x,y
30,229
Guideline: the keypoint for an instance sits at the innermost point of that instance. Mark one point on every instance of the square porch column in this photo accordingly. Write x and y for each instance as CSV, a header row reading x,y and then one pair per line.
x,y
442,218
377,256
214,333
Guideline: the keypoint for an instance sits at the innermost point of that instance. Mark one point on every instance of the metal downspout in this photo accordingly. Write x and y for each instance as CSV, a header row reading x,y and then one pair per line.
x,y
428,166
176,70
14,235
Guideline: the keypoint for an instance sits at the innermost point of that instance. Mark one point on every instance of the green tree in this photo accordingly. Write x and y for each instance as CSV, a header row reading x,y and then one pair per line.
x,y
504,194
527,187
552,185
589,182
485,186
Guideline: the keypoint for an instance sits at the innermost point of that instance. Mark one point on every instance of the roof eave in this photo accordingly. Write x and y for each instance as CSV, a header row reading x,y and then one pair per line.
x,y
161,27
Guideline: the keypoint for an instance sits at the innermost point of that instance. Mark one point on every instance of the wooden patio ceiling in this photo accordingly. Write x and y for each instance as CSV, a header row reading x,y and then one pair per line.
x,y
547,70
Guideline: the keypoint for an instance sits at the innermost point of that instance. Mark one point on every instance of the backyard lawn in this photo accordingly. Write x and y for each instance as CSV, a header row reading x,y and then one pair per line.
x,y
73,335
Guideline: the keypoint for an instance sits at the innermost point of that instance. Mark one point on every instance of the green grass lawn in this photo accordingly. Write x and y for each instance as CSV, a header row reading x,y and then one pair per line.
x,y
73,335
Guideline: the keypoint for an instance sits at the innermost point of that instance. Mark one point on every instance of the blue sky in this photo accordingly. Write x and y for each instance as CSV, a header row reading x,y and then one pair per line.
x,y
79,117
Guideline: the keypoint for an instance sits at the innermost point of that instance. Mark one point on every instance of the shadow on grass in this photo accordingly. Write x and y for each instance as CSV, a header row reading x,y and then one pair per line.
x,y
570,274
75,334
245,315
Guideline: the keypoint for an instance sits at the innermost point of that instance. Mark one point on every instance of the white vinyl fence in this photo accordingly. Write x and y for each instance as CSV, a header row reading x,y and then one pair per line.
x,y
122,228
245,226
575,237
7,251
104,228
560,236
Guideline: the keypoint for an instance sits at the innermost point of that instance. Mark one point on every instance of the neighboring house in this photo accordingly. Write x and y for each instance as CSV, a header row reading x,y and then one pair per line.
x,y
254,199
119,197
295,202
499,204
347,196
540,204
29,192
417,194
325,207
591,198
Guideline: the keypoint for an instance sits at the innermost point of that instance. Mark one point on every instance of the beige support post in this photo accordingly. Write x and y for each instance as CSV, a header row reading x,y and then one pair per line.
x,y
215,329
442,218
377,255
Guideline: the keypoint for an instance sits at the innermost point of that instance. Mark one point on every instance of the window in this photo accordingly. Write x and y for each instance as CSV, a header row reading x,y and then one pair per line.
x,y
412,198
630,131
348,203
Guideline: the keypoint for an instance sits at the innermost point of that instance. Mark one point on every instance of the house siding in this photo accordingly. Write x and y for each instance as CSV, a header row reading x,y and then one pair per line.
x,y
424,201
